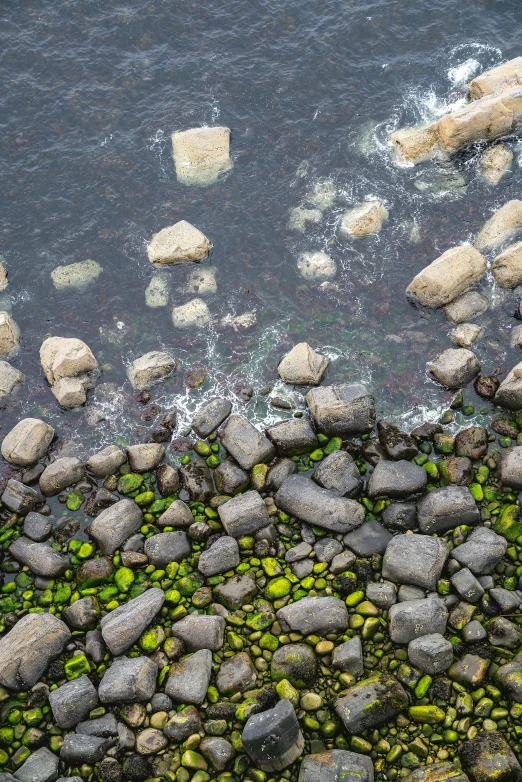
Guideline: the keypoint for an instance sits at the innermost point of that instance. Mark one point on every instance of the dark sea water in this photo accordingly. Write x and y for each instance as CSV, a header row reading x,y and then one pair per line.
x,y
91,92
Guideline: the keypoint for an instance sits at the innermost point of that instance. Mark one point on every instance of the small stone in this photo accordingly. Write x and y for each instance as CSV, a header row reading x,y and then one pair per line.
x,y
432,653
364,220
339,473
348,657
76,275
177,243
150,741
296,663
106,462
244,514
183,724
201,281
482,550
9,336
114,525
157,292
244,443
145,457
10,379
165,547
301,497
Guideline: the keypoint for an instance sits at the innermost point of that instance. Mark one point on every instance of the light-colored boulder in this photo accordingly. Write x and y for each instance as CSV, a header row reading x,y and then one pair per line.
x,y
193,315
507,266
509,393
500,227
10,378
414,145
71,392
157,291
27,442
316,266
201,281
495,162
177,243
66,357
447,276
3,278
509,74
455,368
76,275
515,339
303,366
201,155
9,336
366,219
150,367
466,334
466,307
238,323
300,216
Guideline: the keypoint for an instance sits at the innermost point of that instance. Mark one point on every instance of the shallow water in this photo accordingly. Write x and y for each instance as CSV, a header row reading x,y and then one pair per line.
x,y
91,93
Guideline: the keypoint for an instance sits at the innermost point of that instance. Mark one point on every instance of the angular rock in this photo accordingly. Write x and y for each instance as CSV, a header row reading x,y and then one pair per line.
x,y
72,702
165,547
466,334
368,539
396,479
201,155
278,472
438,772
414,618
150,367
27,442
502,77
446,508
400,516
200,631
339,473
371,702
303,366
363,220
415,559
507,266
128,680
193,315
28,648
167,480
247,446
37,527
60,474
40,766
432,653
177,515
209,417
273,738
342,410
447,276
499,229
397,444
82,613
471,442
114,525
236,674
106,462
236,591
197,480
145,456
200,281
314,616
455,367
467,585
509,393
414,145
9,336
183,724
10,379
503,633
336,765
348,657
177,243
383,593
292,437
301,497
20,498
40,558
64,358
219,751
77,749
327,548
189,678
495,162
482,550
123,626
316,266
230,478
489,758
244,514
466,307
510,677
223,555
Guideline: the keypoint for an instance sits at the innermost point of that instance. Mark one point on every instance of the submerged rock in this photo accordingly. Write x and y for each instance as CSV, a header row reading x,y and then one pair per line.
x,y
364,220
177,243
76,275
193,315
495,163
414,145
447,276
10,379
466,307
455,367
466,334
201,155
302,366
157,292
316,266
69,366
201,281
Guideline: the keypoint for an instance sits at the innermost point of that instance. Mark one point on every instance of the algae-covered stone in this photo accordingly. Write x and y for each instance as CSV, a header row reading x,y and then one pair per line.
x,y
296,663
371,702
273,739
489,758
509,522
438,772
336,765
510,677
183,724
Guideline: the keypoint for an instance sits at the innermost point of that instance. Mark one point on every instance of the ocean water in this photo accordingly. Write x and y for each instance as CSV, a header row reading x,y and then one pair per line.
x,y
91,93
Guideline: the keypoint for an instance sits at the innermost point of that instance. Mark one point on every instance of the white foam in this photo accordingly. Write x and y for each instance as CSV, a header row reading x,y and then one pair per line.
x,y
460,74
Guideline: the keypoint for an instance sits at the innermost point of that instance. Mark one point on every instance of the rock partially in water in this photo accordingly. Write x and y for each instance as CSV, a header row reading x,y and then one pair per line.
x,y
10,379
414,145
466,307
150,367
9,336
466,334
447,276
509,393
177,243
303,366
495,163
504,223
316,266
70,367
60,474
193,315
106,462
76,275
201,281
366,219
455,367
342,410
207,419
300,216
157,292
502,77
201,155
507,266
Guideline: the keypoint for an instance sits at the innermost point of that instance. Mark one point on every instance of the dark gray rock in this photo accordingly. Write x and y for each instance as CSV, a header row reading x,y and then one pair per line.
x,y
296,663
200,631
348,657
165,547
273,739
230,478
279,471
78,748
469,670
415,559
236,591
245,443
489,758
314,616
40,558
189,678
467,585
327,548
217,750
396,479
302,568
414,618
106,462
223,555
160,702
19,498
40,766
383,594
183,724
507,601
145,456
400,516
60,474
81,614
432,653
197,480
510,677
292,437
236,674
37,527
370,538
336,765
210,416
474,632
343,561
502,632
72,702
407,592
94,645
114,525
244,515
339,473
128,680
371,702
301,497
397,444
445,508
167,480
104,726
177,515
482,550
301,551
123,626
342,410
99,500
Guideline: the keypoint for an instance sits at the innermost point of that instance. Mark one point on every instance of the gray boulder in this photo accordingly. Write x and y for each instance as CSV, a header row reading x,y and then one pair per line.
x,y
301,497
339,473
273,738
467,585
383,594
230,478
145,456
509,467
40,558
165,547
400,516
446,508
336,765
114,525
19,498
197,480
510,677
244,515
455,367
217,750
123,626
415,559
245,443
72,702
128,680
189,678
104,726
27,442
77,749
292,436
200,631
371,702
28,648
502,632
210,416
342,410
314,616
37,527
414,618
432,653
278,472
82,613
223,555
368,539
60,474
327,548
236,591
438,772
177,515
183,724
396,479
348,657
40,766
106,462
509,393
482,550
236,674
